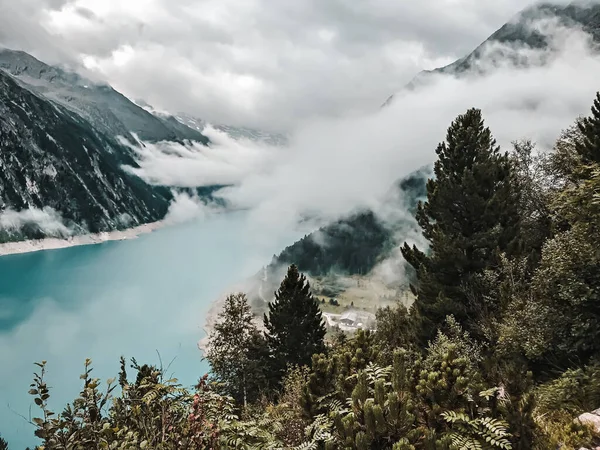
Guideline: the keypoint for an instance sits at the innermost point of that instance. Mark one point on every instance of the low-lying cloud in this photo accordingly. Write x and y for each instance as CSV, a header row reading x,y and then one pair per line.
x,y
333,167
186,207
227,161
47,220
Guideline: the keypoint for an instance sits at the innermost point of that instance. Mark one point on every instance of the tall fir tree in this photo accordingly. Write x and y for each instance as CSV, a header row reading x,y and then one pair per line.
x,y
294,326
469,217
589,147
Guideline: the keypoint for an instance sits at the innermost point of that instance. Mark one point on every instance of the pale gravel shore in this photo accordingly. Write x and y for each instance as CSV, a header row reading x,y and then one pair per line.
x,y
34,245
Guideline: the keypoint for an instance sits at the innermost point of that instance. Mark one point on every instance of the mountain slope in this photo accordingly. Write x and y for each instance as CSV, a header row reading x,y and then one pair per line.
x,y
339,258
518,32
52,158
106,109
354,246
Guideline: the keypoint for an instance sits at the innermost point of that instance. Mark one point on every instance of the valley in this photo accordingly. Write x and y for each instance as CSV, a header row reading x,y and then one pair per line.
x,y
433,282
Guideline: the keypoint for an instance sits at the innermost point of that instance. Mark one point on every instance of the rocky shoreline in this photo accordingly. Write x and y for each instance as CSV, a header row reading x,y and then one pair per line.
x,y
34,245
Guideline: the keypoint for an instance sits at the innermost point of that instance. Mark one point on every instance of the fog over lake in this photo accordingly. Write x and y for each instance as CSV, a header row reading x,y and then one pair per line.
x,y
131,298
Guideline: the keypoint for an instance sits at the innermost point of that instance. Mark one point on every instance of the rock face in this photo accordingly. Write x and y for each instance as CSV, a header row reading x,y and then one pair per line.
x,y
106,109
60,156
50,157
584,14
592,419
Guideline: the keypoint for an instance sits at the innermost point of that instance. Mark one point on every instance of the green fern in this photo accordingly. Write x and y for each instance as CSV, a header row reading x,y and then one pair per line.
x,y
481,433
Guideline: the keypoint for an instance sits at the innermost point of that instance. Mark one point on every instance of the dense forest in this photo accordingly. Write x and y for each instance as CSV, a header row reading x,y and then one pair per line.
x,y
353,246
500,350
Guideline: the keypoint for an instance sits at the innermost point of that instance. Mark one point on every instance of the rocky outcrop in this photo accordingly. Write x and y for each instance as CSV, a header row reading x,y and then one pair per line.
x,y
592,419
52,159
104,108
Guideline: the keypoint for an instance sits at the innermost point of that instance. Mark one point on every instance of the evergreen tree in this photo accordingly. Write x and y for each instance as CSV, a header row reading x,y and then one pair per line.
x,y
470,216
3,444
294,326
235,351
589,147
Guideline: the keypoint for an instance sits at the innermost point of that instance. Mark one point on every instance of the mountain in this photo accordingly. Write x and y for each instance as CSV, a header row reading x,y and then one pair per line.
x,y
252,134
355,245
518,32
106,109
50,157
339,258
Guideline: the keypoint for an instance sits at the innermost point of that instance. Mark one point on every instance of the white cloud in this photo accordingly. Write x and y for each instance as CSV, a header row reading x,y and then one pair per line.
x,y
186,207
254,62
47,220
227,161
333,166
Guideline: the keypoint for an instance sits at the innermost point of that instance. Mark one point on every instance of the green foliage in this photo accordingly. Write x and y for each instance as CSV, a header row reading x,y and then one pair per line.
x,y
477,434
394,329
470,214
237,351
449,377
294,326
500,351
589,147
531,180
3,444
333,376
353,245
559,430
151,413
575,391
575,333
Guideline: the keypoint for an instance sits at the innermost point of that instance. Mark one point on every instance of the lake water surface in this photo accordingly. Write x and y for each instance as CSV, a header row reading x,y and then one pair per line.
x,y
133,298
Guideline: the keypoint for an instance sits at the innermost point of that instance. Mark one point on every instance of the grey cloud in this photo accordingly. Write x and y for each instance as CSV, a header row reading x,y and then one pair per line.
x,y
333,166
86,13
47,220
257,63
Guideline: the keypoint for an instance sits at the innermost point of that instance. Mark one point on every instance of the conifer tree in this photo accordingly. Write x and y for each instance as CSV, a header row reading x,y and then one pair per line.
x,y
470,215
589,147
294,326
234,351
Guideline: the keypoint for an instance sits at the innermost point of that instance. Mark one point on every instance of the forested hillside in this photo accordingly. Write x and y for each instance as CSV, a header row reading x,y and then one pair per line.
x,y
356,244
501,349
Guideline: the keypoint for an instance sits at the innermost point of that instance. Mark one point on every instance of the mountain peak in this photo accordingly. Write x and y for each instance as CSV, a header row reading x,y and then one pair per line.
x,y
105,108
518,31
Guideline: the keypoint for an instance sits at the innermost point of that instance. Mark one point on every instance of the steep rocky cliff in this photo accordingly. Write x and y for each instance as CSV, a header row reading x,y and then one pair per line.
x,y
54,159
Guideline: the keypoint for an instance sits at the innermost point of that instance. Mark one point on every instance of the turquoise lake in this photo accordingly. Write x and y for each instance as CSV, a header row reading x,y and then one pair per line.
x,y
140,298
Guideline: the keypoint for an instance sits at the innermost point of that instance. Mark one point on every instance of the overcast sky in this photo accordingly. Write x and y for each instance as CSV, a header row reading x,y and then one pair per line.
x,y
261,63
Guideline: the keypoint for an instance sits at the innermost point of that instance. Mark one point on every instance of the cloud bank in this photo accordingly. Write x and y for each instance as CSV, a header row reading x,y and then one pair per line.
x,y
335,166
47,220
257,63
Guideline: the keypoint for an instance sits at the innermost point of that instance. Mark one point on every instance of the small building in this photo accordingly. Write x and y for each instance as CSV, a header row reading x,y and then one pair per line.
x,y
351,320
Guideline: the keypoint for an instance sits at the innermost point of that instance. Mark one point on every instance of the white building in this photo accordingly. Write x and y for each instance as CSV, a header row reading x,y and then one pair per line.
x,y
351,320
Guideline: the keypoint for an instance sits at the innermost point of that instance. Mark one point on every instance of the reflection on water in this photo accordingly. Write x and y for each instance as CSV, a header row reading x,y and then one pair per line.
x,y
139,298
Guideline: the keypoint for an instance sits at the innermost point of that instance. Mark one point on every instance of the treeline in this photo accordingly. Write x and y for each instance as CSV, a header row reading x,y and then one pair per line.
x,y
353,246
501,349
